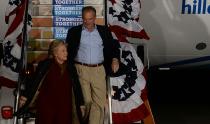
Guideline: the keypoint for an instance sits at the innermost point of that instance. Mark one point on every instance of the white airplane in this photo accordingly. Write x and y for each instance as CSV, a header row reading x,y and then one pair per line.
x,y
179,34
179,31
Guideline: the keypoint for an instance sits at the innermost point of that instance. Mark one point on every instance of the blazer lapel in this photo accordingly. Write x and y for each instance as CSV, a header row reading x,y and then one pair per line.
x,y
101,32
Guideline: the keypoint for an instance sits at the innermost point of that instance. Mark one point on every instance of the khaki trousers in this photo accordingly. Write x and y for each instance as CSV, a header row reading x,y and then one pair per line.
x,y
93,84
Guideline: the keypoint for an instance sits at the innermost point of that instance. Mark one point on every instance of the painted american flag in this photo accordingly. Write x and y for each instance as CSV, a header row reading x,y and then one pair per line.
x,y
129,88
14,19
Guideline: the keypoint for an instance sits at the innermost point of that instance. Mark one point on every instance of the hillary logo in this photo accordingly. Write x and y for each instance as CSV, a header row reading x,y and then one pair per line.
x,y
195,7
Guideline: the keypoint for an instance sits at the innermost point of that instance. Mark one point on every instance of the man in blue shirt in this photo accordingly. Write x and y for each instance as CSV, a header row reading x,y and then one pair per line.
x,y
93,54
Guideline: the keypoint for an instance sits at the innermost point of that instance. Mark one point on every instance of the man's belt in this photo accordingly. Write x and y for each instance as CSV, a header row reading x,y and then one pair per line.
x,y
89,65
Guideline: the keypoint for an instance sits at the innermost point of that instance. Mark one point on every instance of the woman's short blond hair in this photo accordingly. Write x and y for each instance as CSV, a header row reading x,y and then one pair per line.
x,y
52,47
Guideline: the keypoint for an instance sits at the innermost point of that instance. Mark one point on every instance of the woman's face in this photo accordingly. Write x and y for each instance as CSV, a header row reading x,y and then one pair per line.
x,y
60,53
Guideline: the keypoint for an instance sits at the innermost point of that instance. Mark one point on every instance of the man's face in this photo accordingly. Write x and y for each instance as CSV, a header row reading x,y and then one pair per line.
x,y
89,19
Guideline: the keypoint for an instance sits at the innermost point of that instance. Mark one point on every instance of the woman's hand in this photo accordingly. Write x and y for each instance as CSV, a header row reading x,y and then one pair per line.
x,y
22,101
82,109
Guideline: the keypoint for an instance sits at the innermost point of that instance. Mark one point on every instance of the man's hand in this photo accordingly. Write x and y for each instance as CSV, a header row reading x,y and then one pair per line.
x,y
115,65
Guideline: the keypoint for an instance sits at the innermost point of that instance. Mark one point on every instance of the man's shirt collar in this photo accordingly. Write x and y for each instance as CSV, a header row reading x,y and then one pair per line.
x,y
84,28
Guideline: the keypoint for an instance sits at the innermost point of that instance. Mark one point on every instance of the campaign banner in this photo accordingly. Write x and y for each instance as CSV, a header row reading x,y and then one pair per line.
x,y
60,32
67,10
68,2
66,21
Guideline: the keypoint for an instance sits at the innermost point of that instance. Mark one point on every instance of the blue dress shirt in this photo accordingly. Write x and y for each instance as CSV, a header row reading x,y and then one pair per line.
x,y
90,48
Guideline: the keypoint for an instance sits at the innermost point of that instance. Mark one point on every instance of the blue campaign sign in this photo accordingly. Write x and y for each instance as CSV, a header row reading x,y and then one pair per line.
x,y
66,10
68,2
66,21
66,14
60,32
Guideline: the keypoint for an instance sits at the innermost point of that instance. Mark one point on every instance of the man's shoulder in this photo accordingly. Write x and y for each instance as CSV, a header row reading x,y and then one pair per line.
x,y
101,26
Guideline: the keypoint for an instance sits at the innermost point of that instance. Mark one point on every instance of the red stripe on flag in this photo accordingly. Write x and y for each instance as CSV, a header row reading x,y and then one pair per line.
x,y
19,40
144,93
7,83
134,115
10,14
18,18
121,33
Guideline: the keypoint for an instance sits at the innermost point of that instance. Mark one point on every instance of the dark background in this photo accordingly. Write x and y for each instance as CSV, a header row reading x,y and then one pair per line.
x,y
180,96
